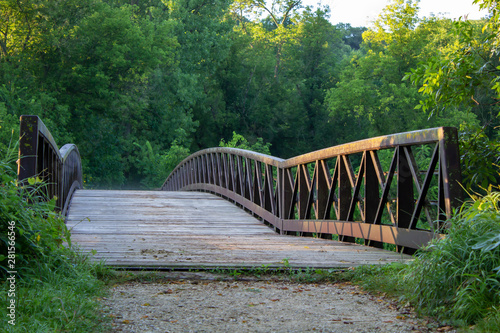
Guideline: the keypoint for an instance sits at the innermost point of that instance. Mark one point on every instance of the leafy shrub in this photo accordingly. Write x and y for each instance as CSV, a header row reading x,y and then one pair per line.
x,y
39,230
155,166
458,277
480,157
239,141
9,127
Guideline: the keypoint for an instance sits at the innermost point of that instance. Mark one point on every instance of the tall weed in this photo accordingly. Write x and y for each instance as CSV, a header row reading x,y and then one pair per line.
x,y
458,277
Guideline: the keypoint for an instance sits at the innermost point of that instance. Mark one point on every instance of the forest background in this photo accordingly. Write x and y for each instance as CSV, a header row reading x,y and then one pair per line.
x,y
138,85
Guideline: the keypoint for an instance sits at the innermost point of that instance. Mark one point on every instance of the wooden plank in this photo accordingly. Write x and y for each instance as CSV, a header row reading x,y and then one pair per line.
x,y
185,230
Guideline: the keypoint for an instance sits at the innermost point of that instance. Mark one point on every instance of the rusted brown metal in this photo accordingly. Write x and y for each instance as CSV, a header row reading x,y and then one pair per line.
x,y
341,190
39,156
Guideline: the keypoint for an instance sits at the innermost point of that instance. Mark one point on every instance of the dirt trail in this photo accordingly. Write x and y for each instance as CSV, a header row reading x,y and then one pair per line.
x,y
204,303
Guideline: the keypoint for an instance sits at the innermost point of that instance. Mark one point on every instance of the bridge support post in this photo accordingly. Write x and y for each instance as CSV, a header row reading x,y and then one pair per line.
x,y
345,194
28,148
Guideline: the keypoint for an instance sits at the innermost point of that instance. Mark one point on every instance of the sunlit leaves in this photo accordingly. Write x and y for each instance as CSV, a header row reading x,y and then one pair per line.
x,y
279,11
395,24
458,74
370,93
239,141
463,76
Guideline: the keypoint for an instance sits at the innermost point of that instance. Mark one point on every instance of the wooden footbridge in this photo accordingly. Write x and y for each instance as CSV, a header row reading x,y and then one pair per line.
x,y
224,207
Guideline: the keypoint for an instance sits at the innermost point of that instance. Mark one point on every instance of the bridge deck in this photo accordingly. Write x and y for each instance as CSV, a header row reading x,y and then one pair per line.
x,y
180,230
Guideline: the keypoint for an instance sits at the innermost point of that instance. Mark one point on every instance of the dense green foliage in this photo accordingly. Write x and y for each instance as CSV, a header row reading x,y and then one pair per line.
x,y
54,289
239,141
139,86
133,84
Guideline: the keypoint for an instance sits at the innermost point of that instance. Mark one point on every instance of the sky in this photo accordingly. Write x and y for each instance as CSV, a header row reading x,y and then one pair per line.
x,y
362,12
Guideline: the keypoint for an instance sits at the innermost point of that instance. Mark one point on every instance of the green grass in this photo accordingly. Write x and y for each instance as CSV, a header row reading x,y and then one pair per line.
x,y
60,298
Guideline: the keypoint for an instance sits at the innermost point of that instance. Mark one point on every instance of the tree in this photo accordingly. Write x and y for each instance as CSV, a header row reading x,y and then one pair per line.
x,y
104,75
370,93
203,35
352,36
281,30
464,77
282,101
110,59
319,52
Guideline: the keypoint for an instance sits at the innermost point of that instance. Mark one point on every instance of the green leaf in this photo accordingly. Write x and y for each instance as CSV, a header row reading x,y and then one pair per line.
x,y
487,242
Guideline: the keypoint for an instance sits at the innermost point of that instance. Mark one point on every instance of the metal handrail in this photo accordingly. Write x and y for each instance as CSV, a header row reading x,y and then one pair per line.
x,y
39,156
320,193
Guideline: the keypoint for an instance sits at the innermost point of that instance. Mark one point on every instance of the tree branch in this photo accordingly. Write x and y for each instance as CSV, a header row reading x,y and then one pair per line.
x,y
262,5
289,9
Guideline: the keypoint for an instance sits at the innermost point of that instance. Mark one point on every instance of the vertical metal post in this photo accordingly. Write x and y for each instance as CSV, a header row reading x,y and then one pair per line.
x,y
450,169
28,148
372,194
345,194
303,191
322,189
287,193
405,199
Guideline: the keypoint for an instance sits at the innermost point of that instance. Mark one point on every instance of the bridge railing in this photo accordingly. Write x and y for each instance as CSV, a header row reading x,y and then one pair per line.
x,y
39,156
397,189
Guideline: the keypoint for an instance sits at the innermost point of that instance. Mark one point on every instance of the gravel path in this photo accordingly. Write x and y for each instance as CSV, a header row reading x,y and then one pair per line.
x,y
206,304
